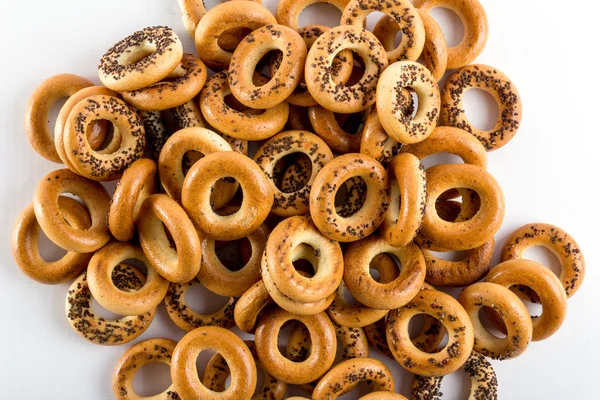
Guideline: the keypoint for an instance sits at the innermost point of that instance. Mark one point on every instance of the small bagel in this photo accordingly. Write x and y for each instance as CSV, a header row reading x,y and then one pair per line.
x,y
97,132
329,268
374,294
479,229
48,215
509,307
106,291
558,242
224,17
322,336
375,141
257,202
327,127
446,139
451,315
170,161
96,329
182,85
499,86
138,182
472,268
484,384
548,288
348,374
293,201
402,13
474,20
283,81
408,197
392,102
302,252
186,318
26,251
359,315
140,60
250,305
217,371
319,80
225,282
236,354
130,138
38,108
322,198
237,124
179,263
143,353
288,11
435,50
353,343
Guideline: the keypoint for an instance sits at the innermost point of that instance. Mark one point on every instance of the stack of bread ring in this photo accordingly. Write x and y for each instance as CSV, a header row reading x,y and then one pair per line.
x,y
299,147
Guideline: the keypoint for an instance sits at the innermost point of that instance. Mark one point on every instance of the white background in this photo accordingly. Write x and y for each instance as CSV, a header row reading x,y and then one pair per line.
x,y
548,173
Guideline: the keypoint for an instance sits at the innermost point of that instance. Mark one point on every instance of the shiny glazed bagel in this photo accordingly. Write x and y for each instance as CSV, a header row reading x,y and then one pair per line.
x,y
474,20
235,352
27,253
129,135
140,60
38,108
138,182
48,215
96,329
181,85
179,263
400,12
143,353
320,83
322,198
392,102
283,81
224,17
257,202
106,291
558,242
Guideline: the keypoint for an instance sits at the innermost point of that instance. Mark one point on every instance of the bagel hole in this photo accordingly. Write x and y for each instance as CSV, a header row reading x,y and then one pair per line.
x,y
267,66
202,361
136,54
292,172
233,199
48,250
361,389
178,73
283,339
234,255
440,158
232,102
373,18
152,379
375,275
351,123
53,114
125,280
544,256
358,70
202,300
451,211
103,136
481,109
189,159
457,383
101,312
487,323
451,24
448,210
387,264
530,298
417,325
304,259
320,14
169,237
350,197
231,38
414,108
